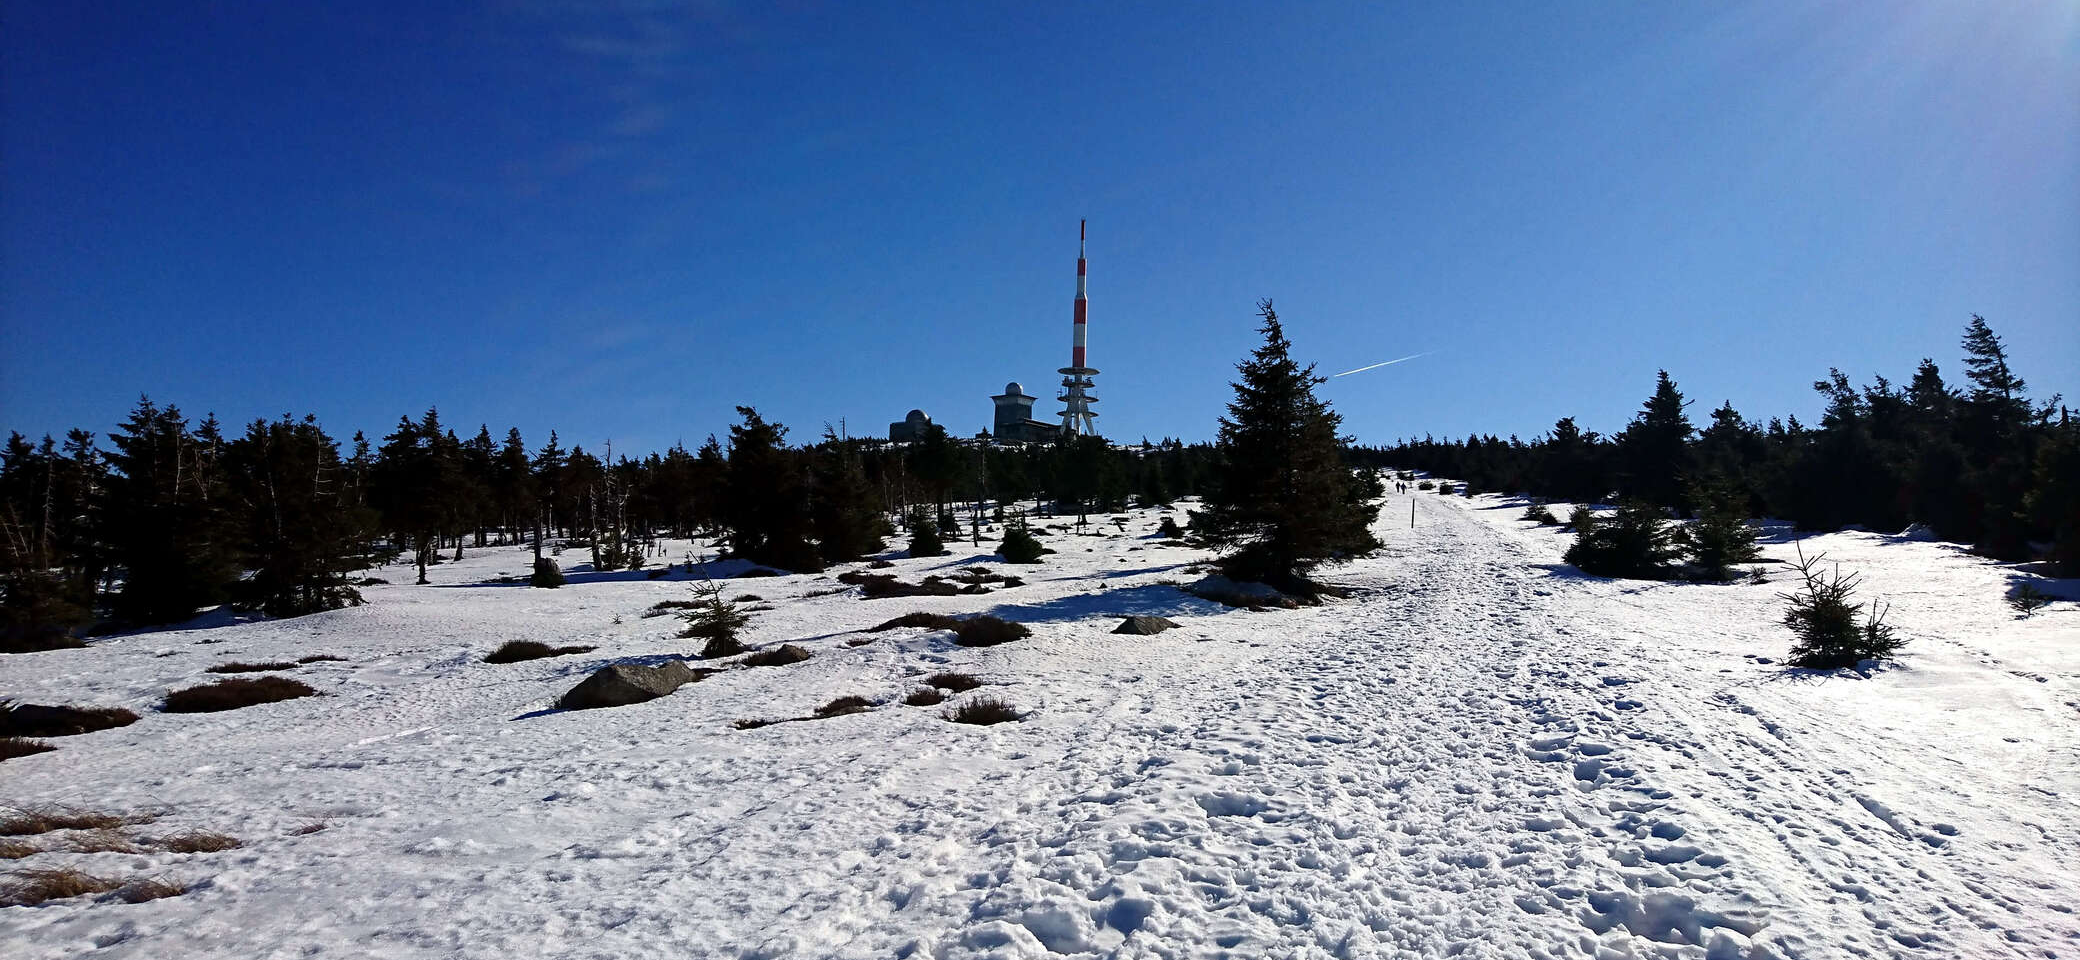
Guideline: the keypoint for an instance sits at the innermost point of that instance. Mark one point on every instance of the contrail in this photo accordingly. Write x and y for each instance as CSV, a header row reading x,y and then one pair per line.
x,y
1385,363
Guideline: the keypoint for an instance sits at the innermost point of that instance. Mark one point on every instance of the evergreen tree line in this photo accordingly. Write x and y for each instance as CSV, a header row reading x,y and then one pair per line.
x,y
1977,463
172,516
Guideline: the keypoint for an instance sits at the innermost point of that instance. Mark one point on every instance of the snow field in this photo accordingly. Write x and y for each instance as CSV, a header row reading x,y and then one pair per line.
x,y
1481,753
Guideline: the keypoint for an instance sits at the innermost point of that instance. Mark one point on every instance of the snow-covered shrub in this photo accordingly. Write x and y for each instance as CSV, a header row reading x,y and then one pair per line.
x,y
1831,631
715,619
1539,514
1426,485
1634,544
1019,546
1447,489
546,574
924,697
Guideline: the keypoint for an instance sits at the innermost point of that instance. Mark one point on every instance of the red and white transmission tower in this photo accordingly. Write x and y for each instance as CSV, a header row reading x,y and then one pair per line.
x,y
1077,417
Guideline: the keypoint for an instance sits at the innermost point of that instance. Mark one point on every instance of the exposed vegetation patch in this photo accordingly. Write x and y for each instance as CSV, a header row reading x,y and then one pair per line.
x,y
12,747
253,667
198,841
30,821
102,841
17,849
779,656
751,724
924,697
235,693
843,706
983,711
150,888
954,681
321,658
38,720
514,651
881,586
662,607
29,888
977,631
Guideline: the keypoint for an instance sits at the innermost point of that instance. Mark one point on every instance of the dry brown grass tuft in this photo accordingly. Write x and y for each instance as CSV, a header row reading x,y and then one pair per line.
x,y
150,888
235,693
253,667
17,849
936,621
29,821
102,841
29,888
844,706
515,651
924,697
321,658
39,720
983,711
198,841
954,682
779,656
307,829
12,747
988,631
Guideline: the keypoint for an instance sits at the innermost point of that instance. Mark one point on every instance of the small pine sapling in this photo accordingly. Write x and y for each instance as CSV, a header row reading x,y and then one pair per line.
x,y
2027,599
1019,545
1633,544
1833,632
715,619
1581,519
1720,536
1169,530
924,535
1540,514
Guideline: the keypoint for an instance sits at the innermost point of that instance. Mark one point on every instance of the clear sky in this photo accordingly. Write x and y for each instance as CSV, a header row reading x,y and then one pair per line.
x,y
621,219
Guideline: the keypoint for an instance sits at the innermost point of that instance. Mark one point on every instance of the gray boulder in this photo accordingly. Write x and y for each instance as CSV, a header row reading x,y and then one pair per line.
x,y
1144,626
621,684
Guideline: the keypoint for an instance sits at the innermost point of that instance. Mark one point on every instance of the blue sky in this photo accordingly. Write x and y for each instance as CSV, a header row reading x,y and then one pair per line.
x,y
622,219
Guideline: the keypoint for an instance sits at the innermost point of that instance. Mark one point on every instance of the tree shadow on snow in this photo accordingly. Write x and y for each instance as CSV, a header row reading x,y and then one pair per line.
x,y
583,573
1153,600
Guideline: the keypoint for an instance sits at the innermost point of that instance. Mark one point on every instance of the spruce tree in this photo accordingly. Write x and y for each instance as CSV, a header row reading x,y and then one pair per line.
x,y
1720,537
298,533
1655,447
1283,501
766,499
846,519
167,524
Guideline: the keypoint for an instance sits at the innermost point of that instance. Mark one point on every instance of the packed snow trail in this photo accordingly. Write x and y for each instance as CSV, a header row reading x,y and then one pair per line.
x,y
1479,754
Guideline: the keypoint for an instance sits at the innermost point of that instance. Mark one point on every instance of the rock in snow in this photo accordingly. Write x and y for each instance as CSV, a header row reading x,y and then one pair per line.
x,y
621,684
1145,626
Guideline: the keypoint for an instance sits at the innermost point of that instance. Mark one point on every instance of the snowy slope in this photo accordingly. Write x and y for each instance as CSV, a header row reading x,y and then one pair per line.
x,y
1480,754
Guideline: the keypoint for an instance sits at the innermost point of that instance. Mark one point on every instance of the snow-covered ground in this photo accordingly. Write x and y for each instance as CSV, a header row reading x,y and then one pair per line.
x,y
1481,753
